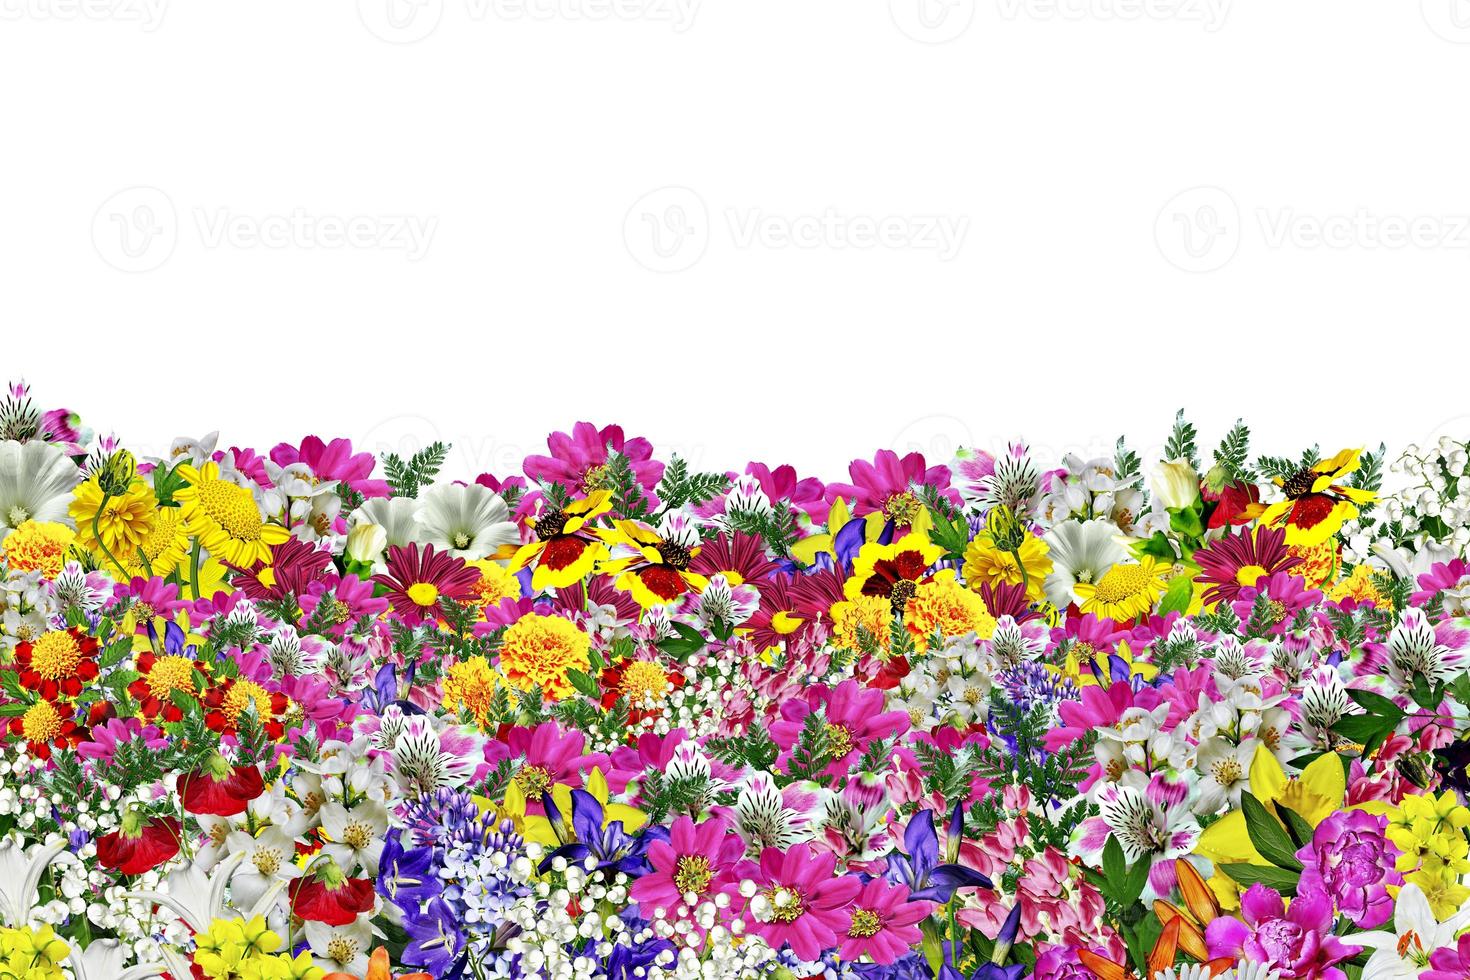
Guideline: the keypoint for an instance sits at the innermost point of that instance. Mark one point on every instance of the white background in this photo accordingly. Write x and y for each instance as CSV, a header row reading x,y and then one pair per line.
x,y
1246,208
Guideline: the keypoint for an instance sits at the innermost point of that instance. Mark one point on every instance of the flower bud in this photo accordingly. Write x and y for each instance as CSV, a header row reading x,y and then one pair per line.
x,y
366,543
1176,484
117,473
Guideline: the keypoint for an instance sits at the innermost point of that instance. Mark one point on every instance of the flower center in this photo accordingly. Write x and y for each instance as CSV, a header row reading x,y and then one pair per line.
x,y
675,555
1249,575
461,540
864,924
692,874
643,682
551,524
533,781
41,722
243,693
18,515
338,611
1227,771
1299,484
232,508
342,949
1275,612
267,861
357,835
56,655
423,594
171,673
597,478
839,740
785,905
902,508
1122,582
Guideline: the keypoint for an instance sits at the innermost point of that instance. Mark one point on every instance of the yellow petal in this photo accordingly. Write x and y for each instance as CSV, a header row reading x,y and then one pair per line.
x,y
1268,779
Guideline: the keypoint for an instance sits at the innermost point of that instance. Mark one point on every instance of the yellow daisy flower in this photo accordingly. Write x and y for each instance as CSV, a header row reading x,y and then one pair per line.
x,y
225,517
1125,592
987,564
123,523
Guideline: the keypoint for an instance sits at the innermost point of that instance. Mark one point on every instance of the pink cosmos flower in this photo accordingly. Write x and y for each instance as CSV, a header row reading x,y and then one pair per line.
x,y
106,739
551,756
799,903
702,859
334,461
884,923
577,461
854,718
887,485
350,597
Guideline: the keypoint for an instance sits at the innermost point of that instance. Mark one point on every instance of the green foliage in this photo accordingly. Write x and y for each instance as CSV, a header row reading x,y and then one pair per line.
x,y
777,527
1126,462
1233,455
755,749
407,478
680,487
812,752
629,502
1181,442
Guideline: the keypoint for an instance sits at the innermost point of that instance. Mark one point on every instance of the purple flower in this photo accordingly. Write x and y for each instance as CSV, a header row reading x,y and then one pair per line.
x,y
118,732
920,869
1448,963
1350,860
579,461
1298,942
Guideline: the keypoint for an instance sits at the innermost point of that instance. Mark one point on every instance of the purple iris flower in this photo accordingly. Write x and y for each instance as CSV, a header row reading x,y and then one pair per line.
x,y
612,847
920,869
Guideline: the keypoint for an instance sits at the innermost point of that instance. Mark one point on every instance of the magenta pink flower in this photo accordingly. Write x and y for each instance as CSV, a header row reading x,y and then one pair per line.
x,y
799,903
578,460
551,756
1297,941
700,859
884,923
106,739
888,484
854,718
333,461
418,581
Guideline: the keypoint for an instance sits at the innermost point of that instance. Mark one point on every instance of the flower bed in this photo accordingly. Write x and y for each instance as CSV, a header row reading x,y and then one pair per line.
x,y
301,712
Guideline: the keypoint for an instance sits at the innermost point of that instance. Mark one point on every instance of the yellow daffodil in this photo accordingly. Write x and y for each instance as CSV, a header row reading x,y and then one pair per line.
x,y
536,827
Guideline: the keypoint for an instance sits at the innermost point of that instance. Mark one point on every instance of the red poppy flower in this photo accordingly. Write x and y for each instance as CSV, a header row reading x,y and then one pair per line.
x,y
58,663
331,898
137,847
220,790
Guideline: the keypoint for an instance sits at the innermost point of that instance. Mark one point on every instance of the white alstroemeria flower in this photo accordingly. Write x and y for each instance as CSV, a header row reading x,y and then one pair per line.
x,y
103,960
1404,953
20,874
1224,773
468,521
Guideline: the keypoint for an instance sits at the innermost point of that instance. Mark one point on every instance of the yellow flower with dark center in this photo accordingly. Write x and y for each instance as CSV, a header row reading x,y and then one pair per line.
x,y
470,685
225,517
38,546
1125,592
945,607
539,650
123,522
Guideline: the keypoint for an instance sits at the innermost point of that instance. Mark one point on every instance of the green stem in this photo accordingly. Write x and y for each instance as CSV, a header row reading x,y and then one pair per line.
x,y
97,533
194,567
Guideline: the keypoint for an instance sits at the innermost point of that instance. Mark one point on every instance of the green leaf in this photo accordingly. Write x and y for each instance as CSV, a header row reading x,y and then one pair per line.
x,y
1267,834
1177,596
1296,826
1114,866
1376,704
1253,874
584,683
1137,878
689,641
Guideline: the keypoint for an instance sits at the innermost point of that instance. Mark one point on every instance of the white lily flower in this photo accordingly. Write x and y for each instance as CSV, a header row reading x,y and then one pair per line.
x,y
20,874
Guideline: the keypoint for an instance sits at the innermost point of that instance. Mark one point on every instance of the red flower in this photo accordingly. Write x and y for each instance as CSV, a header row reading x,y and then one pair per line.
x,y
1231,503
643,682
159,678
137,847
219,790
58,663
331,898
226,701
47,725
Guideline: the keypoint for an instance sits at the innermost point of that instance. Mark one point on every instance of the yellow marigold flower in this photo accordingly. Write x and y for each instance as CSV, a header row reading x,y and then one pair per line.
x,y
945,607
1125,592
38,546
540,650
496,582
470,684
867,616
1361,585
123,523
1318,562
225,517
987,564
